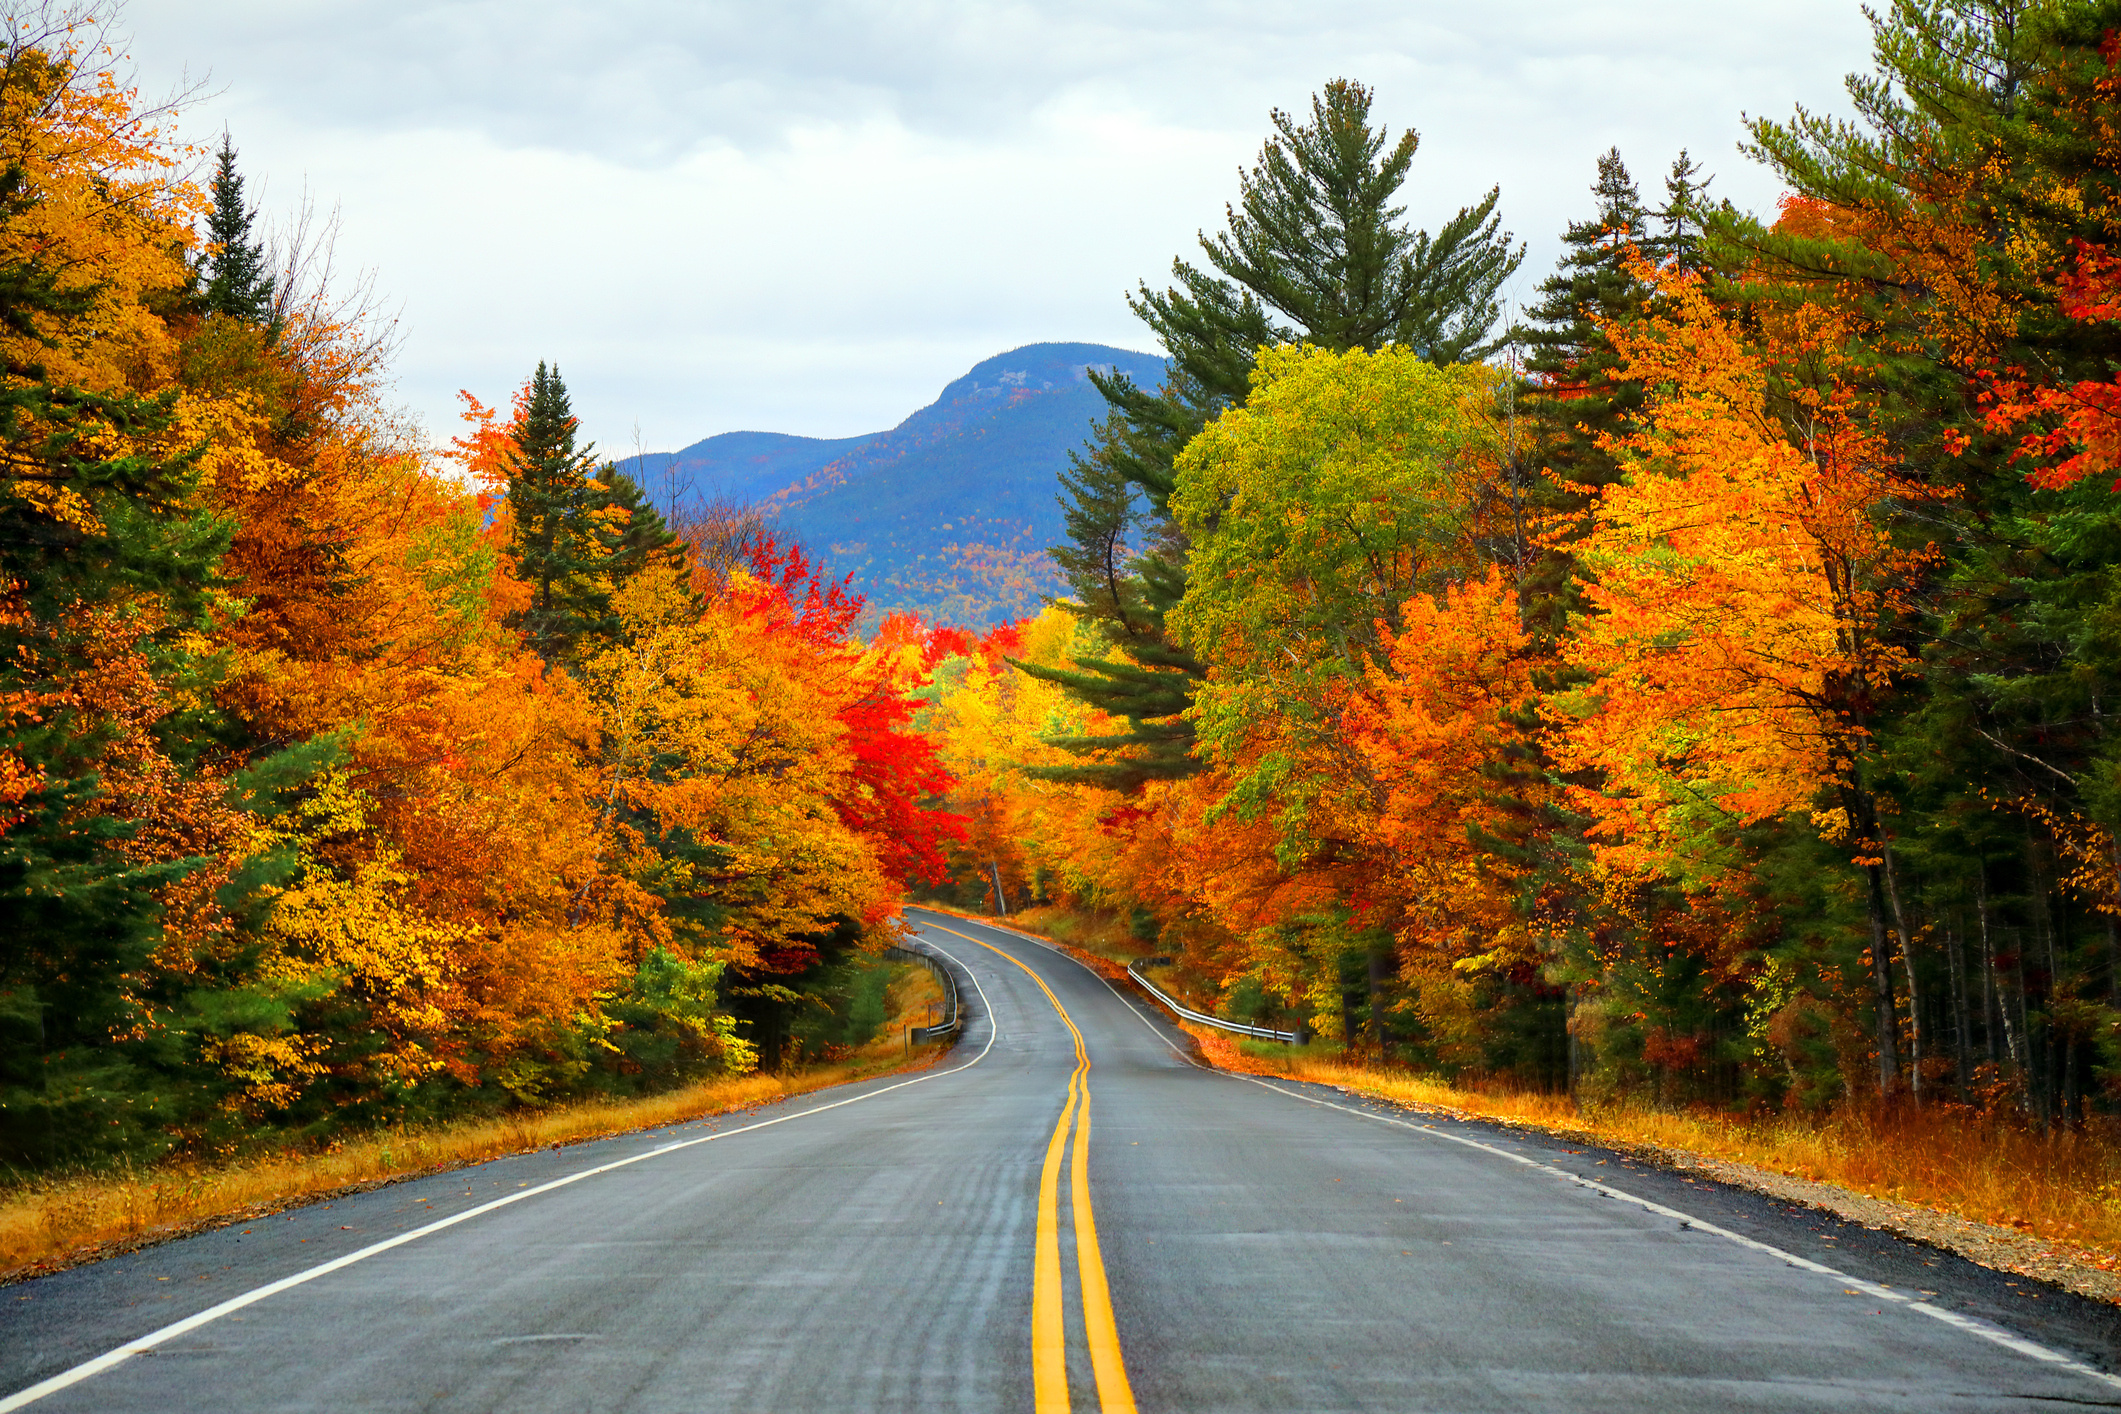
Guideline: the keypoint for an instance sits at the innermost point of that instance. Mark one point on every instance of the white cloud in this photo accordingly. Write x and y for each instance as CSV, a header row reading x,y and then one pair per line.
x,y
808,217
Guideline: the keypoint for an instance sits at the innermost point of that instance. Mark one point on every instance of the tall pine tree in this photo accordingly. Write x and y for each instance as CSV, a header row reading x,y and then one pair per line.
x,y
581,529
238,282
1574,401
1315,252
560,544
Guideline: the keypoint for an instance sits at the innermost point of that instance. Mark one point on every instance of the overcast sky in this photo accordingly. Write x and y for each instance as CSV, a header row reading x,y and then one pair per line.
x,y
807,217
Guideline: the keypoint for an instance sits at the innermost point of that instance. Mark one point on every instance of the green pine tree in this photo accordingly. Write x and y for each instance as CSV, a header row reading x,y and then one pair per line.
x,y
1315,252
238,283
635,533
1575,397
562,541
1683,220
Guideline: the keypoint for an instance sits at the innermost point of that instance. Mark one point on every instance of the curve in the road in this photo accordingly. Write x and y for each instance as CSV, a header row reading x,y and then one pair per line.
x,y
1049,1344
1259,1257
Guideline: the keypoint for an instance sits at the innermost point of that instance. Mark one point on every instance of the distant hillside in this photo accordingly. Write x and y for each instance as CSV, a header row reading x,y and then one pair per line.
x,y
950,512
739,467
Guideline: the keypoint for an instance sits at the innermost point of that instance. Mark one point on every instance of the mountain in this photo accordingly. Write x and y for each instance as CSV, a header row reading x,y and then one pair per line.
x,y
950,512
741,468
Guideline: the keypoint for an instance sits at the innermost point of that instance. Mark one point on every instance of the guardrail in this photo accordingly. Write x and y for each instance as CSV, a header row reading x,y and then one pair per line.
x,y
953,1017
1264,1033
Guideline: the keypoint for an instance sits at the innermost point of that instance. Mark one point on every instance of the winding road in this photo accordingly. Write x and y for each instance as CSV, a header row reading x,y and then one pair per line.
x,y
1065,1214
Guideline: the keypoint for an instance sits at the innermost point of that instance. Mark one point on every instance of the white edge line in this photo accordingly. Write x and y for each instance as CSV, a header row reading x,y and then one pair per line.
x,y
111,1359
1970,1324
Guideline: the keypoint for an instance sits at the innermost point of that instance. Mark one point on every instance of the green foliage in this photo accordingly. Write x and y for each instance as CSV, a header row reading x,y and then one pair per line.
x,y
1315,511
554,499
580,529
669,1025
1316,252
239,283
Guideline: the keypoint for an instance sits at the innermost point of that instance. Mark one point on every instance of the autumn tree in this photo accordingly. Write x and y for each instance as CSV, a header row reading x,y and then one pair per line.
x,y
1348,486
106,603
1315,252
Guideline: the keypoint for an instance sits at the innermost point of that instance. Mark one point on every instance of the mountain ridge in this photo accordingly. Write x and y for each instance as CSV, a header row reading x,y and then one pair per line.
x,y
947,514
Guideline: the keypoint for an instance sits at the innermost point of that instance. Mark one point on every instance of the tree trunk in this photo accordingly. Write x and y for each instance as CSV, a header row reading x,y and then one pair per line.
x,y
1907,961
1991,1013
2031,1091
1882,987
1380,973
1955,958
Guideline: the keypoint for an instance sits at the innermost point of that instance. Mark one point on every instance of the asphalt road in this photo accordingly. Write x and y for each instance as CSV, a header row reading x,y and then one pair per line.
x,y
926,1242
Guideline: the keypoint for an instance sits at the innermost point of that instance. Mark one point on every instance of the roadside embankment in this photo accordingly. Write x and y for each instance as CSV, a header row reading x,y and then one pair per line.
x,y
48,1223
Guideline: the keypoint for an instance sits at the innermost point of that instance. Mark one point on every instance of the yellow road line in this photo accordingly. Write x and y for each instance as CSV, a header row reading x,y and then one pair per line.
x,y
1049,1331
1114,1394
1049,1356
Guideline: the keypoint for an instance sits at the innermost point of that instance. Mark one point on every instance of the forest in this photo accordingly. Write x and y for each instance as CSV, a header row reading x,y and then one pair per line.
x,y
1687,689
1690,689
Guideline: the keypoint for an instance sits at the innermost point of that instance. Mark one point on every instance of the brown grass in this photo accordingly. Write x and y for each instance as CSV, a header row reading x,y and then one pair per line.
x,y
54,1222
2062,1188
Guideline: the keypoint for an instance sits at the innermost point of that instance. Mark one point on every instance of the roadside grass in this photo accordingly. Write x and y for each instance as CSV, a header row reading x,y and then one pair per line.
x,y
1106,935
54,1221
2061,1187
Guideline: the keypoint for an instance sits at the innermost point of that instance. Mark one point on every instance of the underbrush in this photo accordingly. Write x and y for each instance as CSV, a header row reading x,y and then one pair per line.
x,y
1111,936
2064,1187
47,1220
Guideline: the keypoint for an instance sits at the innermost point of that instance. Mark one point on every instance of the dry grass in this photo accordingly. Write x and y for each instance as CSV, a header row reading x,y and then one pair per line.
x,y
2062,1188
53,1222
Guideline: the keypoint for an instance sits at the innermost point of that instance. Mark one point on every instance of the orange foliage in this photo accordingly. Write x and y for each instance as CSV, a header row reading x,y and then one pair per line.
x,y
1442,707
1740,584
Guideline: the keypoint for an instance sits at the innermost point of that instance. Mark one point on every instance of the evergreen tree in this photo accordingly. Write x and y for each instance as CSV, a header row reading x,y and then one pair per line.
x,y
1683,220
238,284
1576,399
1315,252
633,532
561,544
1573,400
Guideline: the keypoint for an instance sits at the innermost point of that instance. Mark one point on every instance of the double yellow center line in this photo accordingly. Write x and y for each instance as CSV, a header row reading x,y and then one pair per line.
x,y
1049,1336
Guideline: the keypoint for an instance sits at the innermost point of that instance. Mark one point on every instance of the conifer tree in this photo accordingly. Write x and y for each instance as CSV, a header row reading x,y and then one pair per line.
x,y
238,284
1315,252
560,544
1567,355
633,532
1575,400
1682,222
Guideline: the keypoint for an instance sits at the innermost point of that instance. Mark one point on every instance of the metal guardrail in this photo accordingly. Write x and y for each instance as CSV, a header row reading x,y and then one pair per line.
x,y
954,1017
1264,1033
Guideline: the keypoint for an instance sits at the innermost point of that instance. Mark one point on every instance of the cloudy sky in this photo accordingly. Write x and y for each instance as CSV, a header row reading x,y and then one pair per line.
x,y
807,216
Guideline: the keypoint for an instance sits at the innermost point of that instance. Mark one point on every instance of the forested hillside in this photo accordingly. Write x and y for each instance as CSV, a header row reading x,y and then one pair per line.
x,y
948,514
